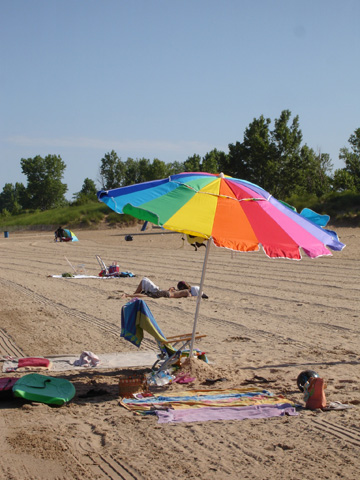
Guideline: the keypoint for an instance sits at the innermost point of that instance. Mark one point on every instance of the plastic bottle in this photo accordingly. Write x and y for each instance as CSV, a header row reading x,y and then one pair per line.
x,y
151,379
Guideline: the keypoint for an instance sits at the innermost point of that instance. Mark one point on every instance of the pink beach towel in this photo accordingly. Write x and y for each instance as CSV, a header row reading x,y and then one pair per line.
x,y
34,362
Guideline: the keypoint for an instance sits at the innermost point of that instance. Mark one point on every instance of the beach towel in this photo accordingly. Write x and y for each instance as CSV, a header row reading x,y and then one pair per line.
x,y
35,362
27,363
197,400
225,413
74,276
136,318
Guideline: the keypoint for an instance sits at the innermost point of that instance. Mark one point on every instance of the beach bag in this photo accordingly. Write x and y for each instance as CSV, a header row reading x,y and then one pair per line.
x,y
126,274
114,268
314,393
132,384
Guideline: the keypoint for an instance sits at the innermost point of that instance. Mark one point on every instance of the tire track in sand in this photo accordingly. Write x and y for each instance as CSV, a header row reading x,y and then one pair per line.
x,y
108,327
347,435
8,346
101,465
113,468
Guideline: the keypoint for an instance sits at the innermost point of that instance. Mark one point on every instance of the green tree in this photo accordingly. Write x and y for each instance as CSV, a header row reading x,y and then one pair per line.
x,y
143,170
112,171
174,168
157,170
276,160
87,192
215,162
315,174
252,159
131,172
12,197
351,158
343,181
287,162
45,189
192,164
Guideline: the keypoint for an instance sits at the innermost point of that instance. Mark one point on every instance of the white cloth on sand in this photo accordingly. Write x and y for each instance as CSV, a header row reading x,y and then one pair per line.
x,y
87,359
147,286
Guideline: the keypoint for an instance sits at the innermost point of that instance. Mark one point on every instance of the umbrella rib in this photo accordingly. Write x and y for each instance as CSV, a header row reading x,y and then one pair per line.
x,y
222,196
233,198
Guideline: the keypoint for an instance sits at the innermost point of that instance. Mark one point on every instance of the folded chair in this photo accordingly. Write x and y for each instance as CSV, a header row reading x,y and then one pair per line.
x,y
102,264
78,269
136,318
174,348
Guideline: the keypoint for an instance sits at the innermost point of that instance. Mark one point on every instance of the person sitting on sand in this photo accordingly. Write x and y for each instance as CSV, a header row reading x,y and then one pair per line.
x,y
59,234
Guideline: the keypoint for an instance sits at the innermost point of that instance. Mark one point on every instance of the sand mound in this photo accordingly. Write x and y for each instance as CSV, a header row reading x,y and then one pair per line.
x,y
196,368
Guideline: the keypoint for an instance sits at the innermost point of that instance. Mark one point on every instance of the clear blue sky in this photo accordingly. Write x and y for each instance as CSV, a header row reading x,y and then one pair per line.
x,y
169,78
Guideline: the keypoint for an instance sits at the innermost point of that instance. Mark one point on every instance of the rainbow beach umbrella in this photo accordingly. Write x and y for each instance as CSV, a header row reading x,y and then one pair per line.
x,y
230,212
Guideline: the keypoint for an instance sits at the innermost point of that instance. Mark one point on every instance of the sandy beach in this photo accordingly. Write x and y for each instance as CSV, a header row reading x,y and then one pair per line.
x,y
264,318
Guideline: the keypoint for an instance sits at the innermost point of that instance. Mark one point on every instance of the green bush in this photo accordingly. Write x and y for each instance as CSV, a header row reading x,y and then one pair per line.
x,y
114,219
304,201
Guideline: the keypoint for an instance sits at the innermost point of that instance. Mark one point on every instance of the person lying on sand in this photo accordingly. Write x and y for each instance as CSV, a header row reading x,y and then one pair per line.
x,y
194,291
148,288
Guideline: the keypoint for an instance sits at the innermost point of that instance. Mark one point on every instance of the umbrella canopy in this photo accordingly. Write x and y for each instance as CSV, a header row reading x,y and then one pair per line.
x,y
70,235
233,213
236,214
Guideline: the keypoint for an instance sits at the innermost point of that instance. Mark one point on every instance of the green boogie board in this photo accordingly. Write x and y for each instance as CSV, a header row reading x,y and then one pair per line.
x,y
43,389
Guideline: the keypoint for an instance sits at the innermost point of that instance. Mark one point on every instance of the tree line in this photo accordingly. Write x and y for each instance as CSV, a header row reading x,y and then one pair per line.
x,y
272,156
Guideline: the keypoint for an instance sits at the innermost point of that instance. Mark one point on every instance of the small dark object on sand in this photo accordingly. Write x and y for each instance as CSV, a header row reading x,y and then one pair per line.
x,y
94,393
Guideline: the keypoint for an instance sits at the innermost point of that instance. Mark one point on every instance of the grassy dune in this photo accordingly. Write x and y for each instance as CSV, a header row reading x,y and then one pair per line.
x,y
90,215
344,209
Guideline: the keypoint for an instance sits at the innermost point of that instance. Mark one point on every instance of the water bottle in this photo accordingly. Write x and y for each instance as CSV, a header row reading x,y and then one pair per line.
x,y
151,379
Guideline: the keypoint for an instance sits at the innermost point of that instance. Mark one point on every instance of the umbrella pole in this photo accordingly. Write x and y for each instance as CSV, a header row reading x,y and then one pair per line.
x,y
198,300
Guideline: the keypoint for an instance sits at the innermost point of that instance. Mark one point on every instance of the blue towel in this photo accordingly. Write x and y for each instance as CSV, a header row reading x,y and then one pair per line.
x,y
137,317
194,398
